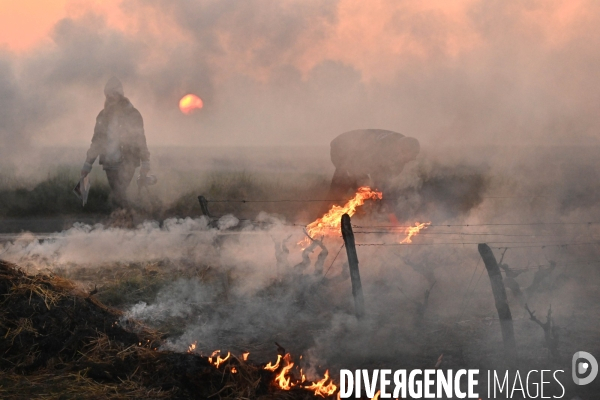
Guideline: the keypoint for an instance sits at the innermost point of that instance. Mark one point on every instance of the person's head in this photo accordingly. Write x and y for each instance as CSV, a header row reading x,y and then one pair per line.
x,y
113,90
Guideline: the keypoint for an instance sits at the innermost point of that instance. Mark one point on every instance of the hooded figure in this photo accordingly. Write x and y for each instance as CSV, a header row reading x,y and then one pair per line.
x,y
368,157
120,142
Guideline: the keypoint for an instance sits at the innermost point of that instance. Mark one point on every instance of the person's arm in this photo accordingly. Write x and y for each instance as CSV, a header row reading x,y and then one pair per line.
x,y
96,146
137,127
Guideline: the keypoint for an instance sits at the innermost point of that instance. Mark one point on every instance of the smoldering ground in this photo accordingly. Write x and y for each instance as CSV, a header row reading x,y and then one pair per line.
x,y
222,286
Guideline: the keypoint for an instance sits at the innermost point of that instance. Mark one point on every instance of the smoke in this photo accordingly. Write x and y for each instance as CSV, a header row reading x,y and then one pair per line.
x,y
239,294
439,191
482,85
299,72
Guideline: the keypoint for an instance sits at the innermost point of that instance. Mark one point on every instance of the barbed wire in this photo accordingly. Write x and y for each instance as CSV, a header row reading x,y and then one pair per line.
x,y
542,245
484,224
467,296
282,201
334,258
344,200
460,233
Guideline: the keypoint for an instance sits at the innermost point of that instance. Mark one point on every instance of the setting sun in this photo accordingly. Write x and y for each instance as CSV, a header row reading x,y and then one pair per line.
x,y
190,103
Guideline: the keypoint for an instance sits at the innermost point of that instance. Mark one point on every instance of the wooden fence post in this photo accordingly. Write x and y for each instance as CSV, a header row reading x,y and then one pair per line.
x,y
204,205
506,323
348,235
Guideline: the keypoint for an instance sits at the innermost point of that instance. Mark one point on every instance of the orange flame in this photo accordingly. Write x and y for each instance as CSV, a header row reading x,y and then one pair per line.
x,y
218,360
245,355
413,230
376,395
285,380
271,367
321,388
281,380
329,224
233,370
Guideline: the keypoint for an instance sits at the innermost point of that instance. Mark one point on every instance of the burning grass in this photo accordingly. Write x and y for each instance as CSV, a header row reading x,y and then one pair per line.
x,y
58,341
329,224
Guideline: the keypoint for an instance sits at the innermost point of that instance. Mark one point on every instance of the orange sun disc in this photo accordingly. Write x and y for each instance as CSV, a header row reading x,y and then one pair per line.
x,y
190,103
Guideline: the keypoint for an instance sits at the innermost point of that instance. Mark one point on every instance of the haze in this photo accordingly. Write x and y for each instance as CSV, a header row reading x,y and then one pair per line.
x,y
301,72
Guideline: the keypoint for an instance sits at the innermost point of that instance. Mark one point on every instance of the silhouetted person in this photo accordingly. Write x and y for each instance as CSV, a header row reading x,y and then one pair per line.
x,y
120,142
368,157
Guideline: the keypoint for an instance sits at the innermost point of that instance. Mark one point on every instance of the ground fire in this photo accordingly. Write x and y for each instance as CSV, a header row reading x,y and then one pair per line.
x,y
405,186
287,379
286,374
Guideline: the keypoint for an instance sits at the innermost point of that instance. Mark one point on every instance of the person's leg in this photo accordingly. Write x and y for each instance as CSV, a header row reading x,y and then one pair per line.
x,y
112,175
341,184
124,176
118,180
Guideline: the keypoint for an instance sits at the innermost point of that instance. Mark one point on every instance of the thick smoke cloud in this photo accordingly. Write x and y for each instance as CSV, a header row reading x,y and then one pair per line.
x,y
301,72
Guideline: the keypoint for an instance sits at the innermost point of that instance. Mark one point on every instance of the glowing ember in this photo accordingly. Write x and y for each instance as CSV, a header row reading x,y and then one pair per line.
x,y
413,230
322,388
245,355
233,370
190,103
192,347
329,224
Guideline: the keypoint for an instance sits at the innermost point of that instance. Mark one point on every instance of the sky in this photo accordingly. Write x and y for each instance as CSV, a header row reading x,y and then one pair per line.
x,y
300,72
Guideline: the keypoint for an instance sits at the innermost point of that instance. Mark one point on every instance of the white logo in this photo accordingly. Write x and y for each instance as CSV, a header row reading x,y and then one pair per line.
x,y
580,367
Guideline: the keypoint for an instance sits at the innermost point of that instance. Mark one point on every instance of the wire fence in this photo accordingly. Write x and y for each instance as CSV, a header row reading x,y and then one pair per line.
x,y
346,200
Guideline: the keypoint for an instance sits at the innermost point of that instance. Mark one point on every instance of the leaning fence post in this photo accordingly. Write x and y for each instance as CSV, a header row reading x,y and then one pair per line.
x,y
506,323
348,235
204,205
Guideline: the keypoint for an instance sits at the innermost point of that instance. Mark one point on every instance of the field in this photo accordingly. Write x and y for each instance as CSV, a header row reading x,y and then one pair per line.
x,y
238,282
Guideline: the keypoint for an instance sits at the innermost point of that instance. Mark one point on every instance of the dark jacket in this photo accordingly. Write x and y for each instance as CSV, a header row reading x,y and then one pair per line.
x,y
374,152
371,157
130,127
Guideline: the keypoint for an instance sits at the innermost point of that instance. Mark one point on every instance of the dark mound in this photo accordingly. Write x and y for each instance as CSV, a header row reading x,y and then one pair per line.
x,y
58,342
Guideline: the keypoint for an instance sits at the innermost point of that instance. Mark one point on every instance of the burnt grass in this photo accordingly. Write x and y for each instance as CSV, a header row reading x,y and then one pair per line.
x,y
59,342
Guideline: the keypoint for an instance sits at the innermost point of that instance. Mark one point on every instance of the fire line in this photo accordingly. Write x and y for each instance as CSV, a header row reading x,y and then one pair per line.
x,y
329,224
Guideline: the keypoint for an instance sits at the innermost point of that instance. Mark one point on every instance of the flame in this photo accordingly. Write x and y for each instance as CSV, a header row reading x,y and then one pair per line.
x,y
285,380
218,360
329,224
376,396
321,388
190,103
281,380
413,230
192,347
271,367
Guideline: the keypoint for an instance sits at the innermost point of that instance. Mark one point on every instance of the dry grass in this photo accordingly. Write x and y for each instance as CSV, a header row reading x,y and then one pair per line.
x,y
59,343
